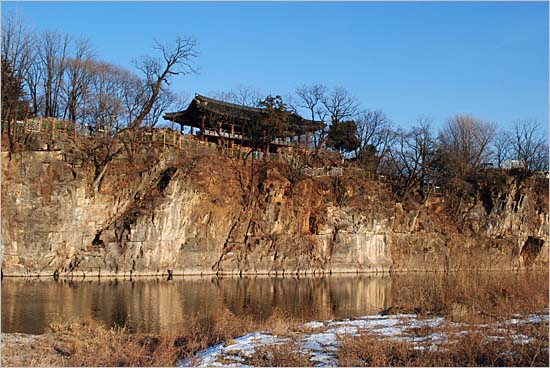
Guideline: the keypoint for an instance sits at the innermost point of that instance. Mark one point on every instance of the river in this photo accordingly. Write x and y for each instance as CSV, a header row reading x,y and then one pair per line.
x,y
155,305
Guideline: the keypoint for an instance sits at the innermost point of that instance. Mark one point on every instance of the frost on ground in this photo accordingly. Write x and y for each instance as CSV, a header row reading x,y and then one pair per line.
x,y
321,344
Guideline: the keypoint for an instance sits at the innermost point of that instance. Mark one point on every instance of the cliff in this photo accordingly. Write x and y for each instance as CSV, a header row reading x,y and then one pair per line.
x,y
195,211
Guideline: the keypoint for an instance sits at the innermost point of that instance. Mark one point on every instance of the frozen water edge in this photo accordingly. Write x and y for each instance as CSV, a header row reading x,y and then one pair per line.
x,y
321,346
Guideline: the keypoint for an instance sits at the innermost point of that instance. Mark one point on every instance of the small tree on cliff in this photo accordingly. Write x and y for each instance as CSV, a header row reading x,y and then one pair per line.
x,y
272,124
342,136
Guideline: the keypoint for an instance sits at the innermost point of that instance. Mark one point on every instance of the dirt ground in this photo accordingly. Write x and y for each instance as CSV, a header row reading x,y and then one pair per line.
x,y
23,350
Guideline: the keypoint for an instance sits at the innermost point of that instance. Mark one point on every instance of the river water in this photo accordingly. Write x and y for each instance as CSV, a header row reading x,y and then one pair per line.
x,y
153,305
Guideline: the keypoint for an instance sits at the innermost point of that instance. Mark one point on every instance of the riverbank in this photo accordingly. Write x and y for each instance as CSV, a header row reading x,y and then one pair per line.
x,y
174,274
379,340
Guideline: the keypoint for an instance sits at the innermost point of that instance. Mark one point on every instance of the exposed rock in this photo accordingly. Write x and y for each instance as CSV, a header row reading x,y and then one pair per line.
x,y
196,212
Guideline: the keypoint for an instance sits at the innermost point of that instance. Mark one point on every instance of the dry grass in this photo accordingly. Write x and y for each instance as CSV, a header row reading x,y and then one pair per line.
x,y
286,355
90,343
471,297
472,349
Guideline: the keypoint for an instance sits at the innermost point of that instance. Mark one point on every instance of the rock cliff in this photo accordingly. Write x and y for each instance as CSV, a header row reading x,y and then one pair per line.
x,y
194,211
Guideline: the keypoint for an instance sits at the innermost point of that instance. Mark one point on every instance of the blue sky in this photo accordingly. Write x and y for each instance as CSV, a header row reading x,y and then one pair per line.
x,y
408,59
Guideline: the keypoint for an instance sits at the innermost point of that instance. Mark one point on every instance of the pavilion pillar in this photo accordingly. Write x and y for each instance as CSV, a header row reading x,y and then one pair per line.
x,y
307,140
231,138
203,136
219,134
192,130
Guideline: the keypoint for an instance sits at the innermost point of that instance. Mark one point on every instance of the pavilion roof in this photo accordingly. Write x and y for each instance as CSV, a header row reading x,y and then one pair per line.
x,y
230,113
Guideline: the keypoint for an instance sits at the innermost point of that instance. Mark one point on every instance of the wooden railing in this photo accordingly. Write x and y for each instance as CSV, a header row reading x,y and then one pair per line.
x,y
57,128
49,125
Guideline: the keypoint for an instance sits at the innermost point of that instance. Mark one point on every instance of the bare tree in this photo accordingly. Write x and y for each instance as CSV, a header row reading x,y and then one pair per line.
x,y
412,158
111,96
105,102
133,95
374,132
310,98
77,78
502,147
247,96
530,144
177,59
52,53
106,114
16,58
340,105
33,80
165,99
466,141
242,95
540,159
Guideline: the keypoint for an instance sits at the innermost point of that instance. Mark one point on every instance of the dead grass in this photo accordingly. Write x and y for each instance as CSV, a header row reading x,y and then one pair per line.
x,y
476,348
90,343
471,297
281,323
286,355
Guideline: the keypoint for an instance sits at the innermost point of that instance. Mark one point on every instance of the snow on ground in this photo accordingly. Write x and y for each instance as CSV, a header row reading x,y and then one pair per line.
x,y
321,346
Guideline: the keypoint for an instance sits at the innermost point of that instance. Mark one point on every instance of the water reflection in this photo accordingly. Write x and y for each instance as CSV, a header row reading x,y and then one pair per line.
x,y
152,305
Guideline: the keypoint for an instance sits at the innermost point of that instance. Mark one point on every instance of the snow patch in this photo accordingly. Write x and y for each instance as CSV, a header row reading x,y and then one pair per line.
x,y
321,347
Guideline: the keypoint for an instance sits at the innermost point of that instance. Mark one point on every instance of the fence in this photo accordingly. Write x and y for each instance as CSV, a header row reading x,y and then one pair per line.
x,y
56,128
52,126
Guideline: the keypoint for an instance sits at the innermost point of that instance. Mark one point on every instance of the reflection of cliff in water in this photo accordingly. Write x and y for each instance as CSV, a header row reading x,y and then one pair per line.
x,y
158,305
314,298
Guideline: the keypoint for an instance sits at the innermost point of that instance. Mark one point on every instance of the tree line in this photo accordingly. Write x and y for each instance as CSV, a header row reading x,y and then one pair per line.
x,y
417,156
54,75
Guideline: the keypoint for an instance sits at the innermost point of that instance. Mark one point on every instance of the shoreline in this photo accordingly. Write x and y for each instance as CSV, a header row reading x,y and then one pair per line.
x,y
269,274
324,343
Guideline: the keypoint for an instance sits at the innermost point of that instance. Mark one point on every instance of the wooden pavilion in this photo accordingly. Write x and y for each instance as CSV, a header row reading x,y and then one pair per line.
x,y
227,124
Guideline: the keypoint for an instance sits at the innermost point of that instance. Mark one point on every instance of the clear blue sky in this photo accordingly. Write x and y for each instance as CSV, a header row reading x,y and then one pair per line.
x,y
435,59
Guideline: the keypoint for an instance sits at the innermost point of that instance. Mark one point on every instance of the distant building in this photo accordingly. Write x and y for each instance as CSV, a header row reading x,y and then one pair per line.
x,y
227,123
512,164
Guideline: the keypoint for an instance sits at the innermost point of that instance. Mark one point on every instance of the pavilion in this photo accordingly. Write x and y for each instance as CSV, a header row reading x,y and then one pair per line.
x,y
226,123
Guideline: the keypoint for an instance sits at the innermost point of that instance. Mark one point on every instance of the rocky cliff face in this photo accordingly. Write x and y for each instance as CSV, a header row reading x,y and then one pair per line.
x,y
193,212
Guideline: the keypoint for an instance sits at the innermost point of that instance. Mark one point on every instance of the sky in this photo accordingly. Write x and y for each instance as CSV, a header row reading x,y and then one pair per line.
x,y
408,59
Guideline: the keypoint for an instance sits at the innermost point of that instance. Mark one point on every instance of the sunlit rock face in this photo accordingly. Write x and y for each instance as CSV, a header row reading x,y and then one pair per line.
x,y
193,212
